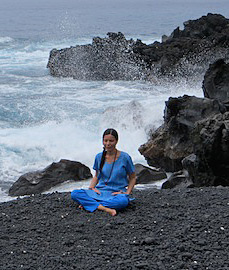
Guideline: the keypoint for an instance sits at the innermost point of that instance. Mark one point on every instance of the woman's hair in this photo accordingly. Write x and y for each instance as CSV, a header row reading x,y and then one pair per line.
x,y
109,131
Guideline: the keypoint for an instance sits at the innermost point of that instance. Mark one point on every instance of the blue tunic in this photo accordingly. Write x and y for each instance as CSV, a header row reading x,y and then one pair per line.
x,y
118,180
123,167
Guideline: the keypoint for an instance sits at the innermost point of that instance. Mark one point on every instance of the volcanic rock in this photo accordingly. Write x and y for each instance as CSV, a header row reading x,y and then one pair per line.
x,y
185,52
179,180
160,229
108,58
146,174
54,174
188,52
172,142
209,166
216,81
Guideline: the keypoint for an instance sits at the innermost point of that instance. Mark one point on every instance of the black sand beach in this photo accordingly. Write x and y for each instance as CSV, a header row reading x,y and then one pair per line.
x,y
161,229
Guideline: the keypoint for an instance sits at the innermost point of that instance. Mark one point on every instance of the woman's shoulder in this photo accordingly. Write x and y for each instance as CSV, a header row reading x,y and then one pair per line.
x,y
99,155
124,155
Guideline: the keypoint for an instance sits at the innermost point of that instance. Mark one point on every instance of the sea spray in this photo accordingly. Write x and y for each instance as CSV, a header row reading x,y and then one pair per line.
x,y
44,119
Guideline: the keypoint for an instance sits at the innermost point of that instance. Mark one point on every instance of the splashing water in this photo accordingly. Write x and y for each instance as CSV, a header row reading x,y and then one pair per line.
x,y
44,119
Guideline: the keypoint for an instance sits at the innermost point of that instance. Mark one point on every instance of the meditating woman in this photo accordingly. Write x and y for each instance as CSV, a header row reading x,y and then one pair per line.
x,y
113,181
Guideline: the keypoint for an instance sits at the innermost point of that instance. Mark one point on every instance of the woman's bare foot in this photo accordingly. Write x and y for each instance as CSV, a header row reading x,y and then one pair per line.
x,y
110,211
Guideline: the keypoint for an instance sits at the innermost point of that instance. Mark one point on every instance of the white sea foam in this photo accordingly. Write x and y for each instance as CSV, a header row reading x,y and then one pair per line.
x,y
4,196
6,39
67,118
32,147
68,186
44,119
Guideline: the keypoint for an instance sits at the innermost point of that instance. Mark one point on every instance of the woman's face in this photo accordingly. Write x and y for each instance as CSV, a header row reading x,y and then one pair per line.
x,y
109,142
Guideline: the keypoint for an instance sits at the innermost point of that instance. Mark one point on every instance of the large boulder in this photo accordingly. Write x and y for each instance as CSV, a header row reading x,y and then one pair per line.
x,y
179,180
186,52
209,165
147,175
172,142
214,27
108,58
54,174
216,81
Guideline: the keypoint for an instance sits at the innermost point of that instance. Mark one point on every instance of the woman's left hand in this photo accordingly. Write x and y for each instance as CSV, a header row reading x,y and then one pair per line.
x,y
119,192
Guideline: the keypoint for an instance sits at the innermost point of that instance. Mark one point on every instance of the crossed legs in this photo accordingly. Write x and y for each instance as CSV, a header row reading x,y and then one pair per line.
x,y
110,206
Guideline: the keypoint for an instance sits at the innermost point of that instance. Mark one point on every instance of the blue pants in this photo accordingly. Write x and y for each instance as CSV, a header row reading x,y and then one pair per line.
x,y
117,202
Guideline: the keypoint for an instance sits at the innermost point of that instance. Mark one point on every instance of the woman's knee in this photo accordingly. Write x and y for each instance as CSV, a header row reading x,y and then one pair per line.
x,y
120,201
124,201
75,194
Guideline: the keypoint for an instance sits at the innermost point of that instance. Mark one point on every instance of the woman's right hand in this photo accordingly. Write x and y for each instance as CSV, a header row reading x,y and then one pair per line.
x,y
96,190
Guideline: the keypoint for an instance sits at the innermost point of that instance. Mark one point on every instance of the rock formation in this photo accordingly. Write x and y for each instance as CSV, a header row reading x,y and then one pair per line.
x,y
108,58
195,135
147,175
209,165
188,52
172,142
216,82
179,180
55,174
185,52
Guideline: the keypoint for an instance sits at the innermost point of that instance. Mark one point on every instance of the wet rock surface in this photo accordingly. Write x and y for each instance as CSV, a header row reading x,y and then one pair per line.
x,y
184,53
161,229
172,141
109,58
211,148
194,136
216,81
54,174
188,52
178,180
147,175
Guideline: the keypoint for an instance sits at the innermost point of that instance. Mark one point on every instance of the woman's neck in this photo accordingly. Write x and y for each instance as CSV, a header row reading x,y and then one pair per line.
x,y
112,153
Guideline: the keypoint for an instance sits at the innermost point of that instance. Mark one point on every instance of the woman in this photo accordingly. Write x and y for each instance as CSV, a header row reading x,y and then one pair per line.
x,y
113,181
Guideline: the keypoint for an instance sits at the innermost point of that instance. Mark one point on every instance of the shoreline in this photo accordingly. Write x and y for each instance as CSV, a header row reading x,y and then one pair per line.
x,y
161,229
70,185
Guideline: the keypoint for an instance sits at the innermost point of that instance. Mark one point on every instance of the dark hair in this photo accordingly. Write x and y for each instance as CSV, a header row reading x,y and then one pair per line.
x,y
109,131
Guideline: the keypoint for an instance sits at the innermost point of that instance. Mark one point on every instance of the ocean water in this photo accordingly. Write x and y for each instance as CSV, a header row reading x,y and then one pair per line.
x,y
44,119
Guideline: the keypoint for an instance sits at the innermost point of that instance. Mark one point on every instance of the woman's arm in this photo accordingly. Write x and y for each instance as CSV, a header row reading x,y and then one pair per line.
x,y
132,182
94,182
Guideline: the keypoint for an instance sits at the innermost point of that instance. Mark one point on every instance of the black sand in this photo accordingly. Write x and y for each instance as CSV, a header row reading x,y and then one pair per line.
x,y
161,229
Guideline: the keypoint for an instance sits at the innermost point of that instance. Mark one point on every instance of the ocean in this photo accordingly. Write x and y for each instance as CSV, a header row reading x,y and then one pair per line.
x,y
44,119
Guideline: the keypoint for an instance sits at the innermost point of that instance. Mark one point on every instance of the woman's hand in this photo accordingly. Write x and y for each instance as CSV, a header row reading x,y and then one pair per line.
x,y
132,182
93,183
119,192
96,190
